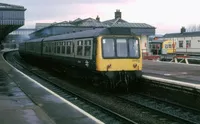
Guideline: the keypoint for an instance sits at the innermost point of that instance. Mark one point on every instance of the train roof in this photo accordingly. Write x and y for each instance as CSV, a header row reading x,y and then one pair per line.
x,y
80,34
36,40
85,34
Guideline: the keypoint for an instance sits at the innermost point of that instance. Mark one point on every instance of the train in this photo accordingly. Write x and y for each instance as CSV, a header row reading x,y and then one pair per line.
x,y
110,56
162,47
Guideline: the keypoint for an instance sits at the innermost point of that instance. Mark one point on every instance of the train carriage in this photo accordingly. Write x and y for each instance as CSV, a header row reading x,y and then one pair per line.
x,y
102,54
161,47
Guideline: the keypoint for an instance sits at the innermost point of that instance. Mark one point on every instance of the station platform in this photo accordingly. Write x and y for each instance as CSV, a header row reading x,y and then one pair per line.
x,y
24,101
173,71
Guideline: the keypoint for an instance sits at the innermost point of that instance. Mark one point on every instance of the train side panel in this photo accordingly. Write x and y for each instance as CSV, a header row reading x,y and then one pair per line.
x,y
77,52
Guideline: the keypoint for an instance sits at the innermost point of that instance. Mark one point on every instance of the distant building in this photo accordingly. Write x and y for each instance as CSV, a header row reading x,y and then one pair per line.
x,y
39,26
19,35
142,30
155,37
185,41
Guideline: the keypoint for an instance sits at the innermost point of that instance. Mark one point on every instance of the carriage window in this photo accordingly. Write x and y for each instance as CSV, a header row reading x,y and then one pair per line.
x,y
122,50
58,49
46,49
55,47
108,48
87,51
52,47
80,48
68,49
63,49
133,48
87,46
49,49
166,45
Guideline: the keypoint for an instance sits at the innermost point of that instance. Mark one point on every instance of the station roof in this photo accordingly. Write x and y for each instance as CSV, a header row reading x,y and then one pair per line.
x,y
136,28
12,17
39,26
185,34
4,6
90,22
113,21
132,25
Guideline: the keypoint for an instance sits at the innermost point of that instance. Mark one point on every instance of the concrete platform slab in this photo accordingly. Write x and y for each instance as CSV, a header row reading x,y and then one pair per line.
x,y
181,72
25,101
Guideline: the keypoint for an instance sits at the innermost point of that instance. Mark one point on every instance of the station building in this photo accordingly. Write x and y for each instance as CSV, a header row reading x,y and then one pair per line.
x,y
142,30
185,40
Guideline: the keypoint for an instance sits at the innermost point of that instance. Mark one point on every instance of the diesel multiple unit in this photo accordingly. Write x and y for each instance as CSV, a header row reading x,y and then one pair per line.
x,y
105,55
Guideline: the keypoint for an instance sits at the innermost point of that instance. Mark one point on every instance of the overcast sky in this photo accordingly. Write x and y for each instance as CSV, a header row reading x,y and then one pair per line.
x,y
166,15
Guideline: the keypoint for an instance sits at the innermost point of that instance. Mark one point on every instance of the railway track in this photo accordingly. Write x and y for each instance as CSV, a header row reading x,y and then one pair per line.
x,y
162,112
98,111
189,115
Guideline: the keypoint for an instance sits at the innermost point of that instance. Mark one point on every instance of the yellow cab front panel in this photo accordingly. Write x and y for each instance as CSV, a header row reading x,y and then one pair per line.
x,y
170,46
119,53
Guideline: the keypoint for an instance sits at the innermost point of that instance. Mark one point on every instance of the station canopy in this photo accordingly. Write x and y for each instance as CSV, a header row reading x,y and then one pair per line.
x,y
11,18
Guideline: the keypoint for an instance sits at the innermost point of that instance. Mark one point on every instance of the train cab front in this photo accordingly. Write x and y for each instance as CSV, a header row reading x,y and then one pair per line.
x,y
119,58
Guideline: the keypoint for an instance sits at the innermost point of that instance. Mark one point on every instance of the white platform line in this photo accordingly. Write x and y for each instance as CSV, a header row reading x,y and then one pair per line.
x,y
74,106
181,83
178,63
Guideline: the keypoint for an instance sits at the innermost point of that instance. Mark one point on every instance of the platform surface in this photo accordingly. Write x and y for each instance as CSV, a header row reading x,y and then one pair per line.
x,y
22,101
181,72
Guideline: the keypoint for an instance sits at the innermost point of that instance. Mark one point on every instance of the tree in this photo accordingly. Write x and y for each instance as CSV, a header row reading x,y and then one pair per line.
x,y
192,28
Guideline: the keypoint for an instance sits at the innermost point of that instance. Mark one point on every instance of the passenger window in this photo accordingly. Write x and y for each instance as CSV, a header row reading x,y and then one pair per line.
x,y
58,49
63,47
49,49
87,51
52,47
73,47
46,49
68,47
80,48
68,50
55,47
